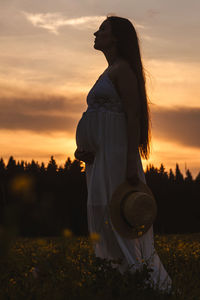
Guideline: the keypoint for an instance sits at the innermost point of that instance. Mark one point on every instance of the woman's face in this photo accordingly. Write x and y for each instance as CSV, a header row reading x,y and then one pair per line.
x,y
104,38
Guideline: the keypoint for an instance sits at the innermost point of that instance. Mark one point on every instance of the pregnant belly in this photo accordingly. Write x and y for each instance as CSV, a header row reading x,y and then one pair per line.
x,y
87,132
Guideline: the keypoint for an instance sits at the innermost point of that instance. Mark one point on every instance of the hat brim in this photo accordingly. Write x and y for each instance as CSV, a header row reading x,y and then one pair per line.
x,y
115,213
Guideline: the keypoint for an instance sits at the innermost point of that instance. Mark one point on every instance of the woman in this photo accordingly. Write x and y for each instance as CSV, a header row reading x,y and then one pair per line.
x,y
111,135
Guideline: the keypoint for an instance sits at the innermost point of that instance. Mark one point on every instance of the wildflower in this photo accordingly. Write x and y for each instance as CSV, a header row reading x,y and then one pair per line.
x,y
79,284
94,236
180,245
41,242
140,233
34,272
12,280
67,233
55,251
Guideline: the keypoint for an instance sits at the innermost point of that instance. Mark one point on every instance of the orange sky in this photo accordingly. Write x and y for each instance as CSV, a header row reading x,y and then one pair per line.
x,y
48,65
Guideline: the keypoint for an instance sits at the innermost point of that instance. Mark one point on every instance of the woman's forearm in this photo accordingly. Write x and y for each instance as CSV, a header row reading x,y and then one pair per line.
x,y
133,135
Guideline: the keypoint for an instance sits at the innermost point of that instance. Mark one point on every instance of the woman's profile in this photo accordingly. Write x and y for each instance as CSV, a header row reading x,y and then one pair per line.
x,y
111,137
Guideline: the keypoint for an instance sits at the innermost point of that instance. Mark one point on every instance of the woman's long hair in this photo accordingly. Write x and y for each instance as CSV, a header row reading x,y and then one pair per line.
x,y
128,48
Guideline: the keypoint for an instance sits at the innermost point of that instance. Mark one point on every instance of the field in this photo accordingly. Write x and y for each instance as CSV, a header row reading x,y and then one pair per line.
x,y
65,267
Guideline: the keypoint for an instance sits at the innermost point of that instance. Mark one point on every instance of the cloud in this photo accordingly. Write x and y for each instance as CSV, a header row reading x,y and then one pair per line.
x,y
37,123
43,105
53,21
47,114
166,32
44,115
178,124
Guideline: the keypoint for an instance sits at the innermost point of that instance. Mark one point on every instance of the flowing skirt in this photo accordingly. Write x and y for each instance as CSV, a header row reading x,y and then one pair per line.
x,y
104,133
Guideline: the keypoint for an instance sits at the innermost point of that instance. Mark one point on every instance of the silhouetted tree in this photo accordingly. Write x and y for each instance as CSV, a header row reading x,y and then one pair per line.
x,y
171,175
76,167
11,166
52,166
61,201
163,174
20,166
60,170
188,177
2,167
179,175
2,187
197,179
68,164
33,167
42,169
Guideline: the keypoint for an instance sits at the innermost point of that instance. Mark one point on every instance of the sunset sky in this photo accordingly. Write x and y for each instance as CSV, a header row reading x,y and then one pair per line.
x,y
48,65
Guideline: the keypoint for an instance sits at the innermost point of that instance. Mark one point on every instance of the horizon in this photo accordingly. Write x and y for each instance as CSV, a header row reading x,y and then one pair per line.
x,y
83,165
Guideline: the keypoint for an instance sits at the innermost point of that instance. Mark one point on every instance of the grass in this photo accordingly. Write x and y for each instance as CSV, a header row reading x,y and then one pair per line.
x,y
60,268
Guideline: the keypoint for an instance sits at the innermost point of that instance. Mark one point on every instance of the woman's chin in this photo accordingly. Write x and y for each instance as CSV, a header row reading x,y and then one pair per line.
x,y
96,46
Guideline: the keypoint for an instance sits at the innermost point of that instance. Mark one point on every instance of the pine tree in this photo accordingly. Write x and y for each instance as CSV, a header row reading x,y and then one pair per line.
x,y
188,177
179,175
33,167
2,167
163,174
197,179
11,165
21,165
42,169
68,164
152,170
171,175
76,167
60,170
52,166
2,164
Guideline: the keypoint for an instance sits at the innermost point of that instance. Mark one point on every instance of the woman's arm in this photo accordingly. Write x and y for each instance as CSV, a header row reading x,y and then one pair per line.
x,y
128,89
85,156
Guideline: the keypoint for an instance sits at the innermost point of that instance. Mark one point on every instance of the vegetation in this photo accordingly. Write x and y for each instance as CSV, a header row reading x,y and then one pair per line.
x,y
58,262
66,268
42,201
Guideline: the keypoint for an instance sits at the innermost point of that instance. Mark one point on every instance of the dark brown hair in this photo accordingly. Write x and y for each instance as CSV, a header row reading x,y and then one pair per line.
x,y
128,48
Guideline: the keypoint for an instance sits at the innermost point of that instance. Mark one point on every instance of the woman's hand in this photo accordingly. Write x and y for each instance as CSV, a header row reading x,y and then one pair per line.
x,y
87,157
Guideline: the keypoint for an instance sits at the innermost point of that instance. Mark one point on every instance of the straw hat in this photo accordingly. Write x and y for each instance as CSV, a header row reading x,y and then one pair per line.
x,y
133,209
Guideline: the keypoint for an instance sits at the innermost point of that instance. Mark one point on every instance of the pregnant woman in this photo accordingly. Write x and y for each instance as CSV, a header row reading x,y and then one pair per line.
x,y
111,135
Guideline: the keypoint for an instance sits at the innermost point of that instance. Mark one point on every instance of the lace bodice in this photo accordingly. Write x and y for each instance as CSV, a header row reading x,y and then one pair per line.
x,y
103,96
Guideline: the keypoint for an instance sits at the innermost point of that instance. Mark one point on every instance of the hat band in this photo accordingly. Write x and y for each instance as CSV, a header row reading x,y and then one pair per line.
x,y
122,204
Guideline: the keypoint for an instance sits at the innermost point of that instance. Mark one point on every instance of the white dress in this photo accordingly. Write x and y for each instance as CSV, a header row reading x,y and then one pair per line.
x,y
102,129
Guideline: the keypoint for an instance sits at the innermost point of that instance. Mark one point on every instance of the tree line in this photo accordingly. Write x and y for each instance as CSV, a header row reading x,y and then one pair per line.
x,y
39,200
